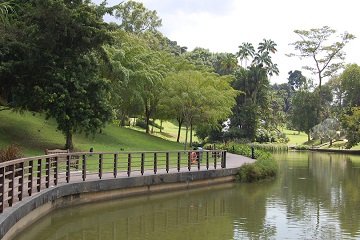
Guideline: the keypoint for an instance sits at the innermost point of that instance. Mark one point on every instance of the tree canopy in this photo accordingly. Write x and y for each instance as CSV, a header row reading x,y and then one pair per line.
x,y
328,58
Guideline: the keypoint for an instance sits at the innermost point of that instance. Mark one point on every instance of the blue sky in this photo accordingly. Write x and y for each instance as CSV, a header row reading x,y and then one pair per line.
x,y
223,25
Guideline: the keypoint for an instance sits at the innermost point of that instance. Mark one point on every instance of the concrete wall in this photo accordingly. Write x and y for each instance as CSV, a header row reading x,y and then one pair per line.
x,y
23,213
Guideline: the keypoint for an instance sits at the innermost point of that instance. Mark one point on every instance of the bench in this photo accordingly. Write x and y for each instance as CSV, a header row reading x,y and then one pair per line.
x,y
74,160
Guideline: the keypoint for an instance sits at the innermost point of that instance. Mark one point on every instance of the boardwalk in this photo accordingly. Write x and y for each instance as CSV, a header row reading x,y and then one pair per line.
x,y
85,185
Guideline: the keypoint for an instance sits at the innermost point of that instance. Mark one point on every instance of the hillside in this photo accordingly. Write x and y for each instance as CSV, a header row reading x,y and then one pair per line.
x,y
34,134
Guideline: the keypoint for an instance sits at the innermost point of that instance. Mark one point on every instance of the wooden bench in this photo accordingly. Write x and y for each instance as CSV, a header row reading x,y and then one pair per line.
x,y
74,161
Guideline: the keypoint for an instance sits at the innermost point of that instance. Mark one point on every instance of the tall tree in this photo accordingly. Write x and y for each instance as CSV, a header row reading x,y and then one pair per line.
x,y
136,18
350,79
246,50
328,58
296,79
351,123
198,98
51,64
305,109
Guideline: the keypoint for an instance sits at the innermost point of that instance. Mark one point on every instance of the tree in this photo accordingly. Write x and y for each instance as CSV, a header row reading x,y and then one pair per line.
x,y
228,61
313,44
136,18
296,79
351,123
5,9
197,98
246,50
336,85
350,79
51,64
267,46
327,130
304,112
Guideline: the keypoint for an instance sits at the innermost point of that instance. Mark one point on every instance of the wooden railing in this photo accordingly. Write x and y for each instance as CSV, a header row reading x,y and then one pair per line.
x,y
24,177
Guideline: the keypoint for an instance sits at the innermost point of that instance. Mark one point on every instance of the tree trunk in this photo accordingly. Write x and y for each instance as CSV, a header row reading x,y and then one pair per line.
x,y
147,115
122,121
69,142
191,134
186,134
180,121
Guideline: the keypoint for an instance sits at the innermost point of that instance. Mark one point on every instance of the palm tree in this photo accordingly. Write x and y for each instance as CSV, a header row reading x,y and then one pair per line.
x,y
262,59
272,69
246,50
267,46
228,61
5,8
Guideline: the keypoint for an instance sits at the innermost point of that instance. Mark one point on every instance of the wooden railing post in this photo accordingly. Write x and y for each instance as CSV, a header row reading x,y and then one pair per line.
x,y
11,185
189,161
84,167
207,160
21,181
48,172
39,175
2,188
129,165
142,163
199,157
30,177
215,158
115,165
224,160
56,171
178,161
155,163
100,165
68,158
167,162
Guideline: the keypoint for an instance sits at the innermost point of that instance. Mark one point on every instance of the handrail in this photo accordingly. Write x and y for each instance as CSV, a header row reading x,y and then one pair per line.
x,y
23,177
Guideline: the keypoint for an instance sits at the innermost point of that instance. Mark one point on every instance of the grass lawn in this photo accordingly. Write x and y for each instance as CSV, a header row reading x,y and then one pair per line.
x,y
295,137
33,134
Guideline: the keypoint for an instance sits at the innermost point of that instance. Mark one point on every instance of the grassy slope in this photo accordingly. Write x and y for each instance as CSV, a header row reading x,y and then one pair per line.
x,y
34,135
295,137
301,139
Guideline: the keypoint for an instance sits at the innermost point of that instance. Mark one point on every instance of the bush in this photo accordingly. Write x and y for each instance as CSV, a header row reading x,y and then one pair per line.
x,y
265,168
302,147
10,153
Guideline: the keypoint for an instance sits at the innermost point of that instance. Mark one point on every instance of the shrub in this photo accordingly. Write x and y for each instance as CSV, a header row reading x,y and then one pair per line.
x,y
302,147
10,153
265,168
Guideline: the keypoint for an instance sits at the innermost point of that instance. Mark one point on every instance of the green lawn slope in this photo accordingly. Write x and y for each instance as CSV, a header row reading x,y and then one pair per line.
x,y
33,134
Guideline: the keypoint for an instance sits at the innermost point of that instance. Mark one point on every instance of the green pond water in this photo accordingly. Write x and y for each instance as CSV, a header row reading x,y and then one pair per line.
x,y
316,196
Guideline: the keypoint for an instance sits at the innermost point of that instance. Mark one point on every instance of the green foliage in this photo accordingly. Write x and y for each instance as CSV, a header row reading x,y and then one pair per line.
x,y
51,63
313,44
305,109
265,168
351,123
10,152
136,18
350,79
302,147
271,147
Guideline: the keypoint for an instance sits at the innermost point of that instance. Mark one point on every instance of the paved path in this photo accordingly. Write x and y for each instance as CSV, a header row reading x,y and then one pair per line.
x,y
235,161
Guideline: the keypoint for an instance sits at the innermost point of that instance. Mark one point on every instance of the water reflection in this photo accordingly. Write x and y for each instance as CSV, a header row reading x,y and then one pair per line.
x,y
316,196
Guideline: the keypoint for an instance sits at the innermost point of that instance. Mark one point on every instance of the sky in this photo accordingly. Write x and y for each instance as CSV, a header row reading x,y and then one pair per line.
x,y
223,25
